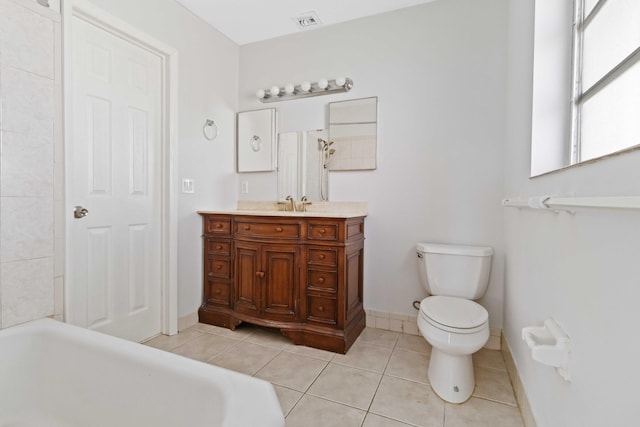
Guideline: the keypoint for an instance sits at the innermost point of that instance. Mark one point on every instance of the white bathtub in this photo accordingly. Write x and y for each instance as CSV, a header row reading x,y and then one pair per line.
x,y
57,375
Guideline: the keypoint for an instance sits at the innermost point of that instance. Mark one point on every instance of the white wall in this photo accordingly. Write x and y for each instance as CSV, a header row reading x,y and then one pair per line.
x,y
581,269
208,88
439,73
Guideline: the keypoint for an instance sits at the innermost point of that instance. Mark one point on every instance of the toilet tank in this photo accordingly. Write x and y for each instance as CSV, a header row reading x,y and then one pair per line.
x,y
454,270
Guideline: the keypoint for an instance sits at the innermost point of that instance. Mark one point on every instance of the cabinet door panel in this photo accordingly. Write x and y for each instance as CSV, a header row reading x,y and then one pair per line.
x,y
247,280
354,267
281,267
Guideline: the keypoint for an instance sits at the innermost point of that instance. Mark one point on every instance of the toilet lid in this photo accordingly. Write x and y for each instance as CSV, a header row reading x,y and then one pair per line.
x,y
454,312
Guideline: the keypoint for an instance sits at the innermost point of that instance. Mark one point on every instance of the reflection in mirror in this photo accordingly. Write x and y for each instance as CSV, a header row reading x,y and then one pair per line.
x,y
301,170
256,140
353,131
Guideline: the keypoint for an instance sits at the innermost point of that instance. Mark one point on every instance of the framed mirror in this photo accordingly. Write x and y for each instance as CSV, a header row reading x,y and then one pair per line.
x,y
301,165
257,140
353,134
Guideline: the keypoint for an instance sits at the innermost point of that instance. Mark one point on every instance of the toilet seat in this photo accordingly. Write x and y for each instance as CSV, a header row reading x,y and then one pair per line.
x,y
453,314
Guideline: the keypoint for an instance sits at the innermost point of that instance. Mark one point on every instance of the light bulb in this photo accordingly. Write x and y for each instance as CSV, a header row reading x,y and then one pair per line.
x,y
305,86
289,88
275,90
340,81
260,94
323,83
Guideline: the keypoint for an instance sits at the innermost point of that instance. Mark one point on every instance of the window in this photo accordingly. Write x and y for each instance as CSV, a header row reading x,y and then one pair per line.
x,y
606,77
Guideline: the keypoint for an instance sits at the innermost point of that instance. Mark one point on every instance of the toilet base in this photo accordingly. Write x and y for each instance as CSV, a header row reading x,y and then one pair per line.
x,y
451,376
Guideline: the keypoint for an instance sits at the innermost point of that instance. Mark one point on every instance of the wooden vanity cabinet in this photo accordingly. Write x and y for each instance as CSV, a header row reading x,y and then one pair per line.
x,y
302,275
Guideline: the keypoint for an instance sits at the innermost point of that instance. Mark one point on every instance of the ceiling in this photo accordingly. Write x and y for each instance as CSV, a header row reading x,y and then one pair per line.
x,y
248,21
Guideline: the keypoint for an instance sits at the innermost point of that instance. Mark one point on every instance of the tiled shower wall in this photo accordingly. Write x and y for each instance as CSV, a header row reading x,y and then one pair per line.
x,y
31,163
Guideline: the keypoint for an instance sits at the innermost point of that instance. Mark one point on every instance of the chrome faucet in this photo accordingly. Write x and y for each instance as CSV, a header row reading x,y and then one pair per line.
x,y
293,203
305,202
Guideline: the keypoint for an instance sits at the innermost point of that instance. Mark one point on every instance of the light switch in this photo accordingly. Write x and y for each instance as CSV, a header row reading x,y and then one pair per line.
x,y
187,186
244,187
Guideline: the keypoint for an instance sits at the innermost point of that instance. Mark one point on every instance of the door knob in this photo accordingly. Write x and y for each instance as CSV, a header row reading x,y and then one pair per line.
x,y
80,212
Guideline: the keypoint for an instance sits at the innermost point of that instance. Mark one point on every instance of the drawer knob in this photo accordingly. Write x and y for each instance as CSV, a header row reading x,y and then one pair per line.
x,y
322,256
219,267
321,308
247,227
322,231
279,229
218,291
260,273
218,247
218,225
210,274
321,280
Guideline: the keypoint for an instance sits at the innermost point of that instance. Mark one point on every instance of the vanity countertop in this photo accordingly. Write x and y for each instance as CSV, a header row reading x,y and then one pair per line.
x,y
314,210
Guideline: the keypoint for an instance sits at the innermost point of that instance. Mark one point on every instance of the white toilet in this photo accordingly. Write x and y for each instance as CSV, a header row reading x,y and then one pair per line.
x,y
454,325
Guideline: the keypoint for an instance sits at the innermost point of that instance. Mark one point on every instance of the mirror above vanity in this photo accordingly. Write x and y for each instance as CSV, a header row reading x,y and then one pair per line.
x,y
353,134
301,171
304,159
256,140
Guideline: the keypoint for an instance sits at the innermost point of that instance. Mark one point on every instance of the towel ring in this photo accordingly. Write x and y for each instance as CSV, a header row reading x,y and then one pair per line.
x,y
210,129
255,143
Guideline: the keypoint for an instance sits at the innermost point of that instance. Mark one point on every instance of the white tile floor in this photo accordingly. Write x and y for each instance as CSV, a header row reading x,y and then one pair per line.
x,y
381,381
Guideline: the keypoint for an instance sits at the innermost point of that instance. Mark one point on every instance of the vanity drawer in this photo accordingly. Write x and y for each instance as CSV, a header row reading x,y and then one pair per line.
x,y
322,310
218,247
217,225
319,280
322,231
218,292
265,229
322,257
218,267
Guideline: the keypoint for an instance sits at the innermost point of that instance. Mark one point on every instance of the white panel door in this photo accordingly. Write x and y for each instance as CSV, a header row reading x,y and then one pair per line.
x,y
114,252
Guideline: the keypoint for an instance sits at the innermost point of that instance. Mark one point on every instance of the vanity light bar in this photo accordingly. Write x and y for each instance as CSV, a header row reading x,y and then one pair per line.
x,y
305,89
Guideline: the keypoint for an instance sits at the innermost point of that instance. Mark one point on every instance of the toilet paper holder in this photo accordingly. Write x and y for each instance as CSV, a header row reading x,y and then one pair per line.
x,y
549,345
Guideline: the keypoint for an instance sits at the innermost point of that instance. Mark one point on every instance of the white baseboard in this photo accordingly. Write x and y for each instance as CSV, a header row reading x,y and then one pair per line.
x,y
521,396
392,322
187,321
409,325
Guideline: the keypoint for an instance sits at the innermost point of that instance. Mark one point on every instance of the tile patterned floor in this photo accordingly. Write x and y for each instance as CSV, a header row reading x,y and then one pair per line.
x,y
382,380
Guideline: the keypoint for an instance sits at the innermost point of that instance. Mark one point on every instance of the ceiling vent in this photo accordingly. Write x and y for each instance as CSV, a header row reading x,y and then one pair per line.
x,y
306,20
